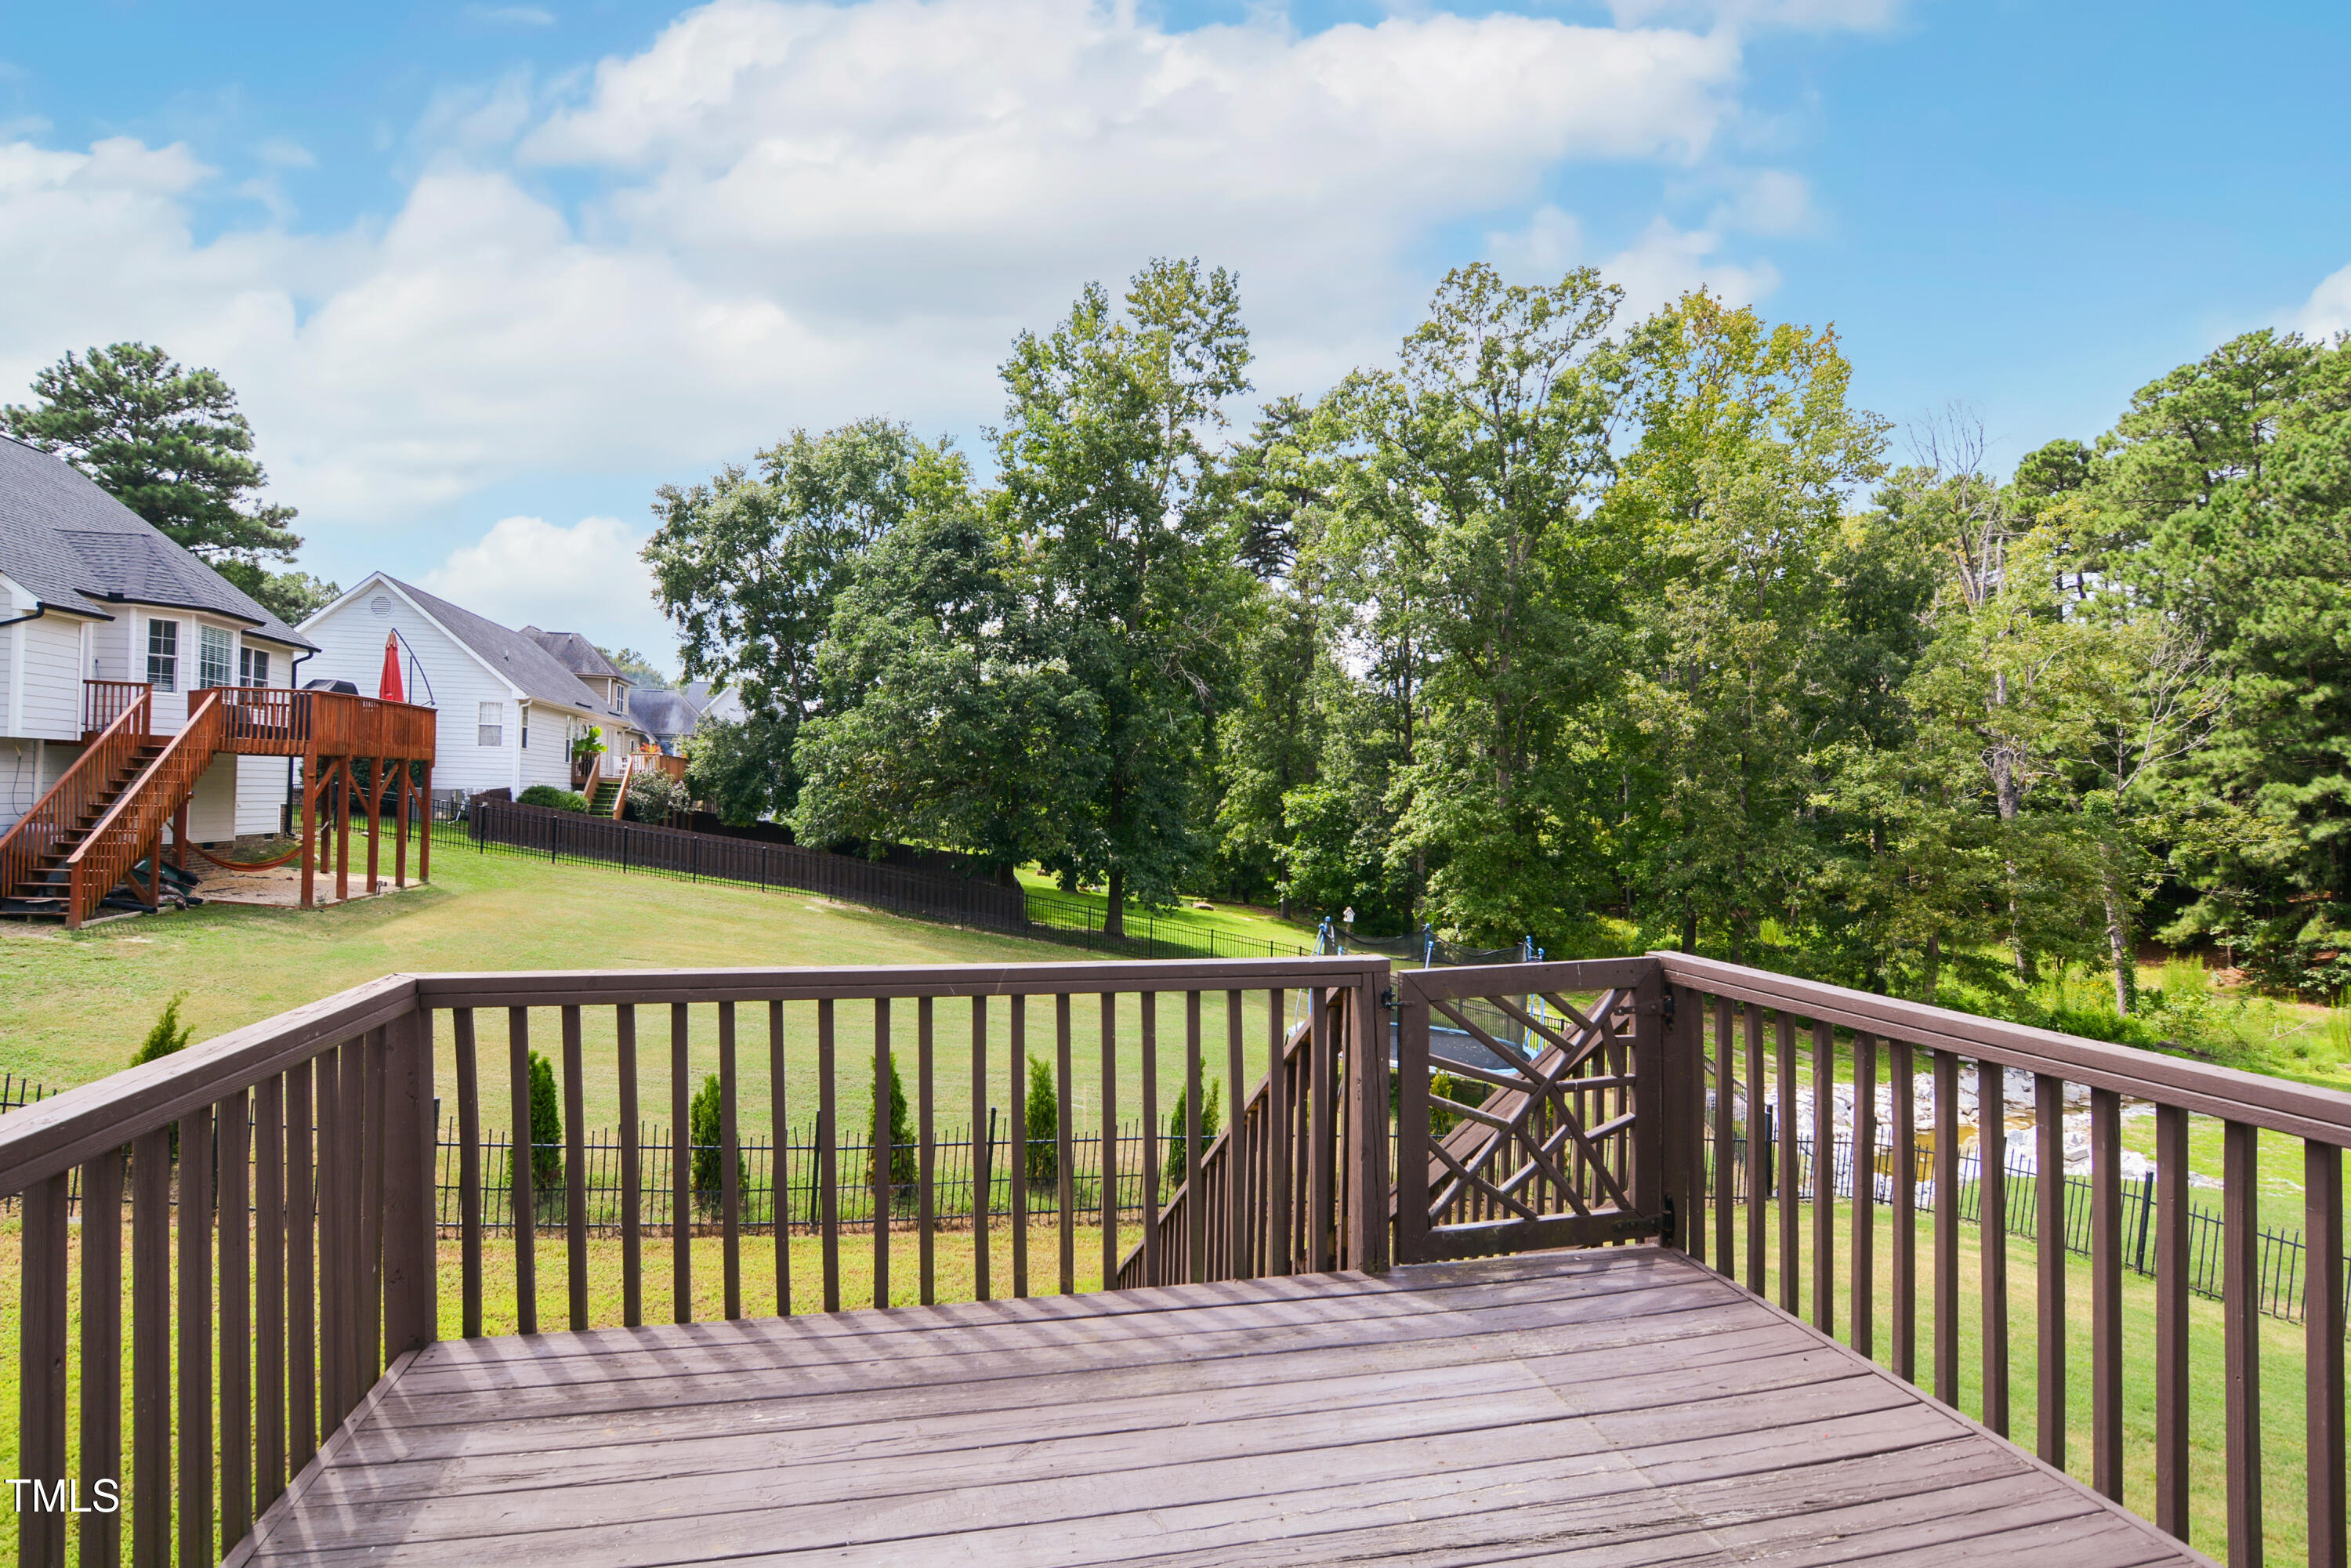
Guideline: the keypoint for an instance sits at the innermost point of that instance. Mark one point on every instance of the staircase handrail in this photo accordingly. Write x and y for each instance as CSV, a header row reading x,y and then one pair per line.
x,y
135,821
37,830
621,800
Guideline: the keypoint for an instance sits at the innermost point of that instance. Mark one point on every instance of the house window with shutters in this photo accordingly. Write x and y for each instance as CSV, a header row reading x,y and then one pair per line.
x,y
490,727
215,650
252,668
163,655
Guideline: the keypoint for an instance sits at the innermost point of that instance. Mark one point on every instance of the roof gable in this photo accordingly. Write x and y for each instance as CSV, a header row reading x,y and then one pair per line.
x,y
513,658
78,549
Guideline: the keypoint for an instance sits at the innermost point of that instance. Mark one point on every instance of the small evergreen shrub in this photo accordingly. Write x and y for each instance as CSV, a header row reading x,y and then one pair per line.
x,y
1042,1123
545,1130
705,1125
1211,1118
169,1035
902,1141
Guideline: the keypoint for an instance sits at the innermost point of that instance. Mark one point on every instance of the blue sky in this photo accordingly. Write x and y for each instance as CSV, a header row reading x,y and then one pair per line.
x,y
486,275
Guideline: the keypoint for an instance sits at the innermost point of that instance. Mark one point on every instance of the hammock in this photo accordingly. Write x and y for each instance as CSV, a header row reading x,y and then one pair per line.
x,y
272,862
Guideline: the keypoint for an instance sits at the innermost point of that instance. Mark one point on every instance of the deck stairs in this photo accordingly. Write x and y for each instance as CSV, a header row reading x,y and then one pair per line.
x,y
606,800
39,882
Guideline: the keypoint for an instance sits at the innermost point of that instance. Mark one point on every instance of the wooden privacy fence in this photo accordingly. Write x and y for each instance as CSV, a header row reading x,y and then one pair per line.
x,y
714,857
288,1255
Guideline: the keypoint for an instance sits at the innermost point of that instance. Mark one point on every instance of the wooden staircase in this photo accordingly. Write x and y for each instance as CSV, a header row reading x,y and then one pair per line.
x,y
606,800
107,814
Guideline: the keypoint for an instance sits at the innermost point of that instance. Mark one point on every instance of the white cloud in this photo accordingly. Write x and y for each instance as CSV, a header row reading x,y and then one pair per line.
x,y
1805,16
1766,201
1661,266
2328,309
798,214
586,578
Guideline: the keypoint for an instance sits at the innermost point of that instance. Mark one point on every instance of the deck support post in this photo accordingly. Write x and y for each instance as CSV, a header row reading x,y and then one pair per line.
x,y
309,828
400,827
343,833
374,817
424,826
180,836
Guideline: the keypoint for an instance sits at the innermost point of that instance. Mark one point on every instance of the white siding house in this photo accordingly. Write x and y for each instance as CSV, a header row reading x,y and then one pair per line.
x,y
91,592
508,710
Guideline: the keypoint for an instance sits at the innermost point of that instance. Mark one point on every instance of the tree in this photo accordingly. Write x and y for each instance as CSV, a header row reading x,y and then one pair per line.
x,y
750,567
1110,493
168,441
705,1119
1041,1124
902,1141
950,716
546,1134
1468,496
642,673
1179,1160
743,767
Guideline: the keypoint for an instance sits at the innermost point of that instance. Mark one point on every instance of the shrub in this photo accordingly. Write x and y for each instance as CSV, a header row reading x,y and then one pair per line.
x,y
545,1130
1211,1117
706,1126
1042,1123
902,1140
550,796
168,1036
654,795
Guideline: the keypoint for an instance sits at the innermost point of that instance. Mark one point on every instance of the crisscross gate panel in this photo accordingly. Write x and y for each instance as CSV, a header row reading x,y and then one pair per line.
x,y
1526,1108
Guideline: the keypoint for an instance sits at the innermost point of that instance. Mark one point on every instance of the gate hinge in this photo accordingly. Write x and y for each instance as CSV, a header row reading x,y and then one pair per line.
x,y
1666,1012
1666,1232
1387,998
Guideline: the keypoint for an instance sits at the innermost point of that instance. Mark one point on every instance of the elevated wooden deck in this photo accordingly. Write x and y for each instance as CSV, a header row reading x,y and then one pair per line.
x,y
1619,1406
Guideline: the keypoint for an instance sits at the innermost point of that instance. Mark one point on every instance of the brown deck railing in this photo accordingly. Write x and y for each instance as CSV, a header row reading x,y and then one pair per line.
x,y
102,763
103,702
282,722
134,826
1538,1105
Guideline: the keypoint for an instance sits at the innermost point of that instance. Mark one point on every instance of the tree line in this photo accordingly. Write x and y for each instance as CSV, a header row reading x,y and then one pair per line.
x,y
1561,623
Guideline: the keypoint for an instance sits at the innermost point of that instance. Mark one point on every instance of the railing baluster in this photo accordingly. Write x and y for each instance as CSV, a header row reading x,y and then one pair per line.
x,y
1280,1259
469,1170
575,1171
1195,1207
680,1165
1725,1185
151,1350
2171,1249
1321,1139
1863,1184
371,1052
1823,1177
42,1337
1065,1143
1106,1004
1153,1159
235,1323
1237,1162
196,1314
925,1154
1947,1227
101,1352
730,1157
879,1152
1791,1260
2048,1259
1991,1232
828,1162
520,1176
780,1128
632,1223
982,1140
2241,1336
1902,1277
1018,1063
2105,1293
2322,1330
333,1163
1758,1150
301,1272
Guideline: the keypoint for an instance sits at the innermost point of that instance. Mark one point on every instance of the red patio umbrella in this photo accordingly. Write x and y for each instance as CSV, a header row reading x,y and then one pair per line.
x,y
388,688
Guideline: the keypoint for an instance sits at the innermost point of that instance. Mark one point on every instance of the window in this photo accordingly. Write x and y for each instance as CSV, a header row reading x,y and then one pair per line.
x,y
163,655
213,645
252,667
490,727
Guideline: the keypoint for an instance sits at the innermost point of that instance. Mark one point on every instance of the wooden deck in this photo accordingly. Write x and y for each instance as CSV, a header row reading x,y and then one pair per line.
x,y
1621,1406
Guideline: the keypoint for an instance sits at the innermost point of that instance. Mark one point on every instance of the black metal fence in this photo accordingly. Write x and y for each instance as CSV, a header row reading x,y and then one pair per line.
x,y
2283,1261
570,836
785,1179
1077,922
16,1093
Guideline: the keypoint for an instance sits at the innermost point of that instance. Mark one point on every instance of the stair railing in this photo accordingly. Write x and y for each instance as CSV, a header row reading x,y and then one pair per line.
x,y
620,800
29,844
134,824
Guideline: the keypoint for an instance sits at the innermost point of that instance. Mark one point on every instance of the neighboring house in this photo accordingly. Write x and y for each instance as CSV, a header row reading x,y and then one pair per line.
x,y
669,718
601,675
508,708
96,605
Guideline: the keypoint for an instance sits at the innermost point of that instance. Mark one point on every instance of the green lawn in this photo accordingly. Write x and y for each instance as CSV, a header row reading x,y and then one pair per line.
x,y
1244,920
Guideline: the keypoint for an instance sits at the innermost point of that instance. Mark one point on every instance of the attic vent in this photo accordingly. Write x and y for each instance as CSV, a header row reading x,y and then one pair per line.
x,y
380,604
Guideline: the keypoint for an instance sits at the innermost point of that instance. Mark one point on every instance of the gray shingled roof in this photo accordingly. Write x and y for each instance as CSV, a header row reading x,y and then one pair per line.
x,y
78,548
576,654
520,659
664,715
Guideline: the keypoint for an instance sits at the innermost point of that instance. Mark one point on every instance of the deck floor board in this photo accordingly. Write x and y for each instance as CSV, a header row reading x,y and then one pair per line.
x,y
1612,1407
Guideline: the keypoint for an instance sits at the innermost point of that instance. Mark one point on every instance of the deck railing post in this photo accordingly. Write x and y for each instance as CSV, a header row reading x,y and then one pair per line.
x,y
1412,1124
410,1304
1367,1132
1650,1110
